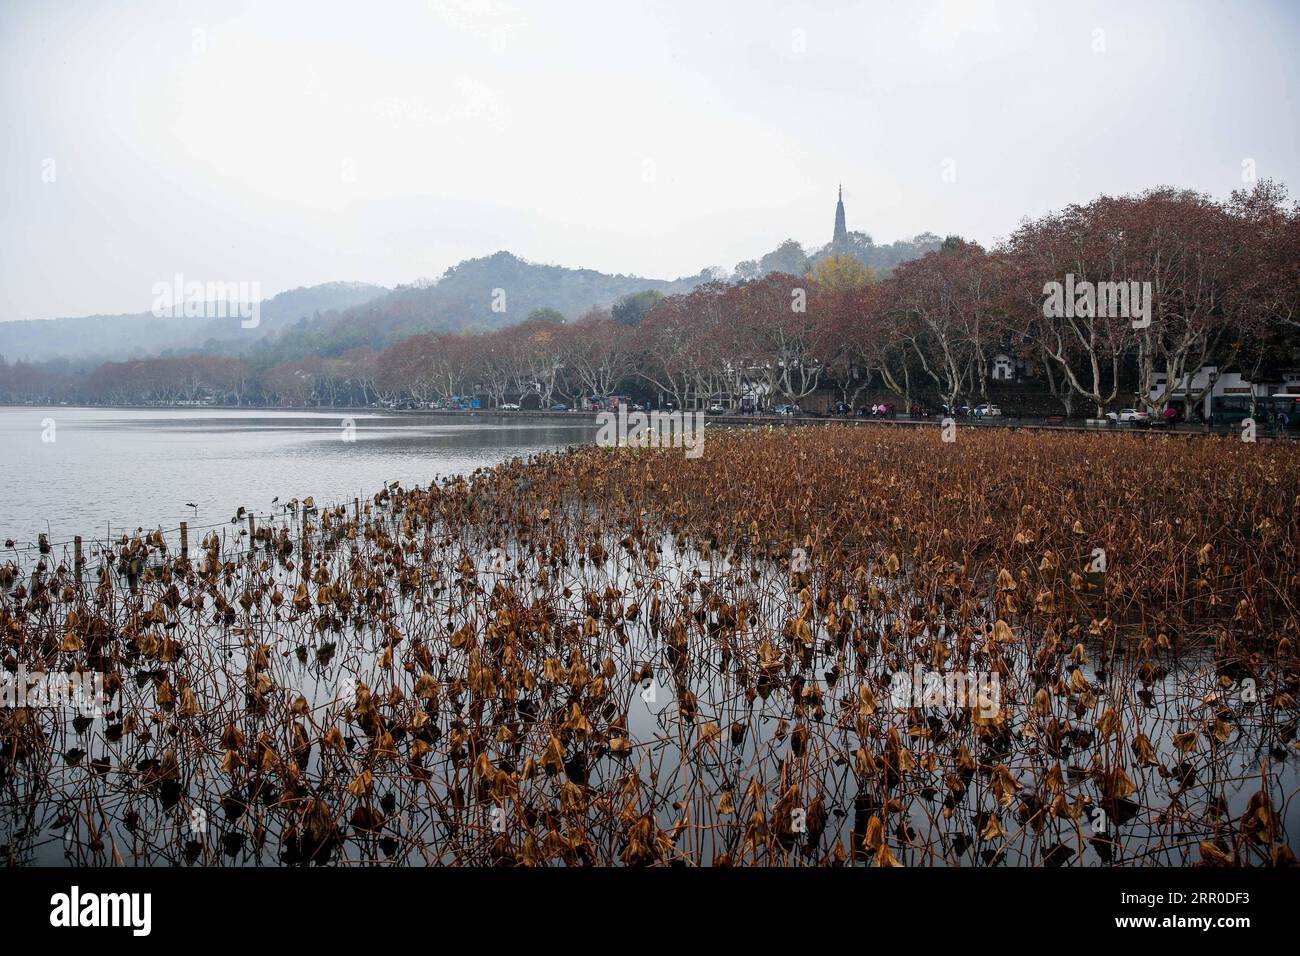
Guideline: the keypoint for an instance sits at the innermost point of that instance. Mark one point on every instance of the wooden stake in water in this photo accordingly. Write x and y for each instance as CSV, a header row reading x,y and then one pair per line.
x,y
185,541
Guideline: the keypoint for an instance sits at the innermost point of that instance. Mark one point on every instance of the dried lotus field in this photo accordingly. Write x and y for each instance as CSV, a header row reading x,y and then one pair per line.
x,y
628,657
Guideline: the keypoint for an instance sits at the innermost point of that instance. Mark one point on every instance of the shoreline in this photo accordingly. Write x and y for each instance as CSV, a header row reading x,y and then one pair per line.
x,y
1012,422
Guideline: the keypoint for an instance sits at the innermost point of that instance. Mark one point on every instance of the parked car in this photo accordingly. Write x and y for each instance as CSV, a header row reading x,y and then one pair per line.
x,y
786,409
1132,416
715,408
987,411
559,407
510,407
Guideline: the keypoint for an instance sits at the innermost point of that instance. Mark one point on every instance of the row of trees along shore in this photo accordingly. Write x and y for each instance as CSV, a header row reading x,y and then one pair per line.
x,y
1224,278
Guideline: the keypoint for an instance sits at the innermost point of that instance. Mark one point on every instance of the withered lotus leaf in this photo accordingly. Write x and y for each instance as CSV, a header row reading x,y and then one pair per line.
x,y
600,656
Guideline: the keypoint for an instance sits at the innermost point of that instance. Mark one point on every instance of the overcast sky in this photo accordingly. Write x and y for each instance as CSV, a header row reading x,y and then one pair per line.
x,y
296,143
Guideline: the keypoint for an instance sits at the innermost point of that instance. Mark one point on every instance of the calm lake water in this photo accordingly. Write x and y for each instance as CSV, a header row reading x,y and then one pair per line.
x,y
128,468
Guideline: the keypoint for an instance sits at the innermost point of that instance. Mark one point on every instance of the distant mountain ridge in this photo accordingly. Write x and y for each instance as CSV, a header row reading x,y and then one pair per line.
x,y
476,295
142,334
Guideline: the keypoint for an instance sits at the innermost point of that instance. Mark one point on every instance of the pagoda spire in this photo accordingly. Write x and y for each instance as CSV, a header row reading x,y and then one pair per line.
x,y
841,237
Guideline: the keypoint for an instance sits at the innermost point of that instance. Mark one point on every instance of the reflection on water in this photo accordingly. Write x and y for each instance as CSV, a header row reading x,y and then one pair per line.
x,y
68,471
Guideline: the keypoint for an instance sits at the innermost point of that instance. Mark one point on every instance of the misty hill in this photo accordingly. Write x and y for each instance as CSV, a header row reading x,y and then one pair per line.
x,y
142,334
462,300
329,319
